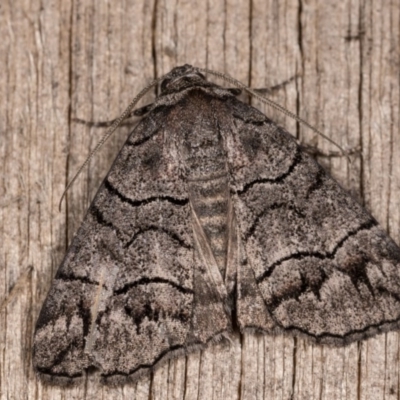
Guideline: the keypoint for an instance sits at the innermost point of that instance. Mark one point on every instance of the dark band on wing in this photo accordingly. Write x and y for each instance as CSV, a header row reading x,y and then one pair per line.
x,y
98,215
279,179
172,235
137,203
58,360
304,254
273,206
369,330
71,278
146,281
162,355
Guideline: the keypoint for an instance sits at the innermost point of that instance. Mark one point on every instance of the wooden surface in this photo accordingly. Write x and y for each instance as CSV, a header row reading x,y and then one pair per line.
x,y
69,59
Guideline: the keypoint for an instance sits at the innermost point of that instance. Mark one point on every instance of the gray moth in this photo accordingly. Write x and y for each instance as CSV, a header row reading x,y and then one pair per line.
x,y
212,218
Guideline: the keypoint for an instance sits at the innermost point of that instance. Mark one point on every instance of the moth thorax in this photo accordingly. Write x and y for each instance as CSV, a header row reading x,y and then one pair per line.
x,y
210,202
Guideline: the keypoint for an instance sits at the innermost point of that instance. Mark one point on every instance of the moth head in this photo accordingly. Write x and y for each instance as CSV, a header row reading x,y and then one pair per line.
x,y
180,78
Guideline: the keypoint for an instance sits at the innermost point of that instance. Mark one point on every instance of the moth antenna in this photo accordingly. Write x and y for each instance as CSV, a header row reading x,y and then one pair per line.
x,y
273,104
109,132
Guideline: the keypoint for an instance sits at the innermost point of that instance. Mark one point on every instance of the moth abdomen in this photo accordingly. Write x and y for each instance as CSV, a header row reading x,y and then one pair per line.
x,y
210,202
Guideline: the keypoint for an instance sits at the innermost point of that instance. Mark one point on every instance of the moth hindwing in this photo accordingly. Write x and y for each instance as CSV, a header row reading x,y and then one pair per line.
x,y
211,212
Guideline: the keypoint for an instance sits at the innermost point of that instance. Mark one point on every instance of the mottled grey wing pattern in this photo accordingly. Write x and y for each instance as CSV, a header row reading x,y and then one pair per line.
x,y
211,212
319,261
130,291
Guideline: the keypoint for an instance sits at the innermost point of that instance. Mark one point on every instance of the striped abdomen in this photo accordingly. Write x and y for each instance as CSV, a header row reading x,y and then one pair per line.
x,y
210,202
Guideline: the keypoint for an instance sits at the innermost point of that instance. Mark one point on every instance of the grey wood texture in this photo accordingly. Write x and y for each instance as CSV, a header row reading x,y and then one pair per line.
x,y
86,59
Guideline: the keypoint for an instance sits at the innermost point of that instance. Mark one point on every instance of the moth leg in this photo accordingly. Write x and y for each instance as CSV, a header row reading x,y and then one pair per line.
x,y
315,152
106,124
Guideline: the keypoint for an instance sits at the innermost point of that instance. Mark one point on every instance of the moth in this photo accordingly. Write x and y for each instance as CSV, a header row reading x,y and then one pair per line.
x,y
212,217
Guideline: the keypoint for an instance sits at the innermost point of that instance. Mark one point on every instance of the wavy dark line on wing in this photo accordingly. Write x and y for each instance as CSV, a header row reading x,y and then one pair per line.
x,y
146,281
273,206
58,360
172,235
162,354
137,203
98,215
304,254
48,371
320,337
297,159
71,278
318,182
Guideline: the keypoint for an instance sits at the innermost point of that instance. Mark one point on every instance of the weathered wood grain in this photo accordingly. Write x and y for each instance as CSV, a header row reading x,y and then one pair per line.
x,y
62,60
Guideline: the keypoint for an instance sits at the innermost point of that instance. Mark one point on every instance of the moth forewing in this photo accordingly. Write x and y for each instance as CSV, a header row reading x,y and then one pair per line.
x,y
212,218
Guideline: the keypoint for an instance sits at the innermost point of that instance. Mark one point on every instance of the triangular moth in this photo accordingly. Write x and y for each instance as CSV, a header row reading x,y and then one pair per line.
x,y
212,213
